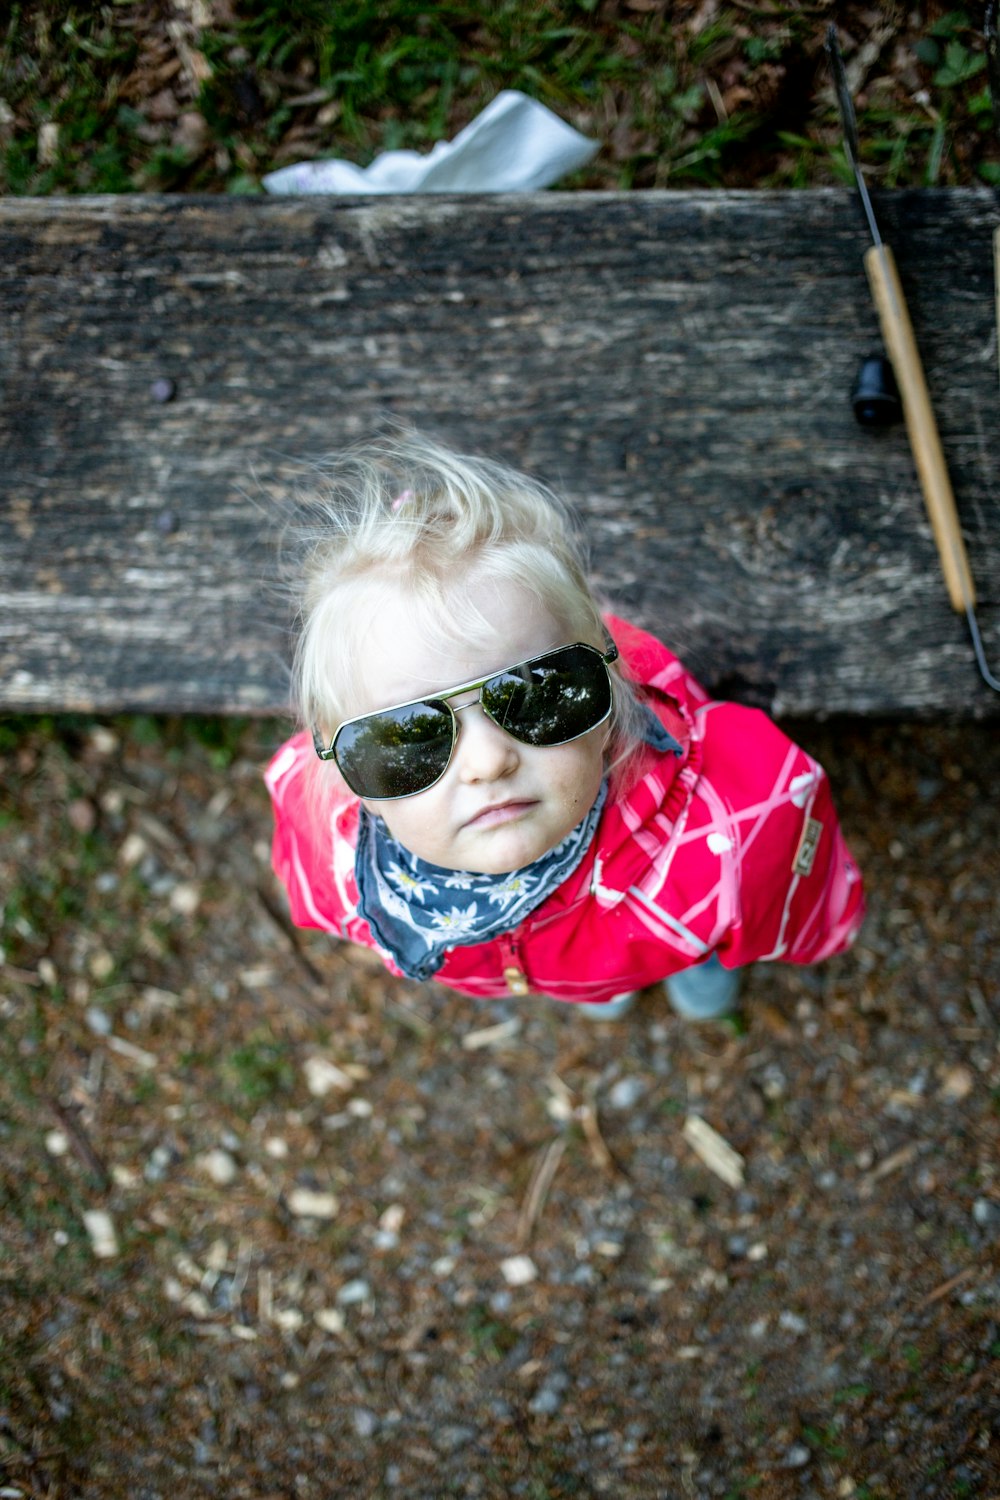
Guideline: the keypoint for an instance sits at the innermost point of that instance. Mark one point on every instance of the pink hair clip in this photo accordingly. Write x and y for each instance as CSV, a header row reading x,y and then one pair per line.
x,y
401,500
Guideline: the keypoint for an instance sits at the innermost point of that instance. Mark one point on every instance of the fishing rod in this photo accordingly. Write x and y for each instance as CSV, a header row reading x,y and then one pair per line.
x,y
897,332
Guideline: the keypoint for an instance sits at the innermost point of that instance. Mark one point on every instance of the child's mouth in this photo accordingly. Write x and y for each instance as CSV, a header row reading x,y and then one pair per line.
x,y
499,813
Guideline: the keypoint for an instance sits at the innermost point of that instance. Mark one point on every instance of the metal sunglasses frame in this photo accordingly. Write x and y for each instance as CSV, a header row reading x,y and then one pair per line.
x,y
611,654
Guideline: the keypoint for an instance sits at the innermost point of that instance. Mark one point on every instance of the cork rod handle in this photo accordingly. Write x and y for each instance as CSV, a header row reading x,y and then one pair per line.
x,y
897,331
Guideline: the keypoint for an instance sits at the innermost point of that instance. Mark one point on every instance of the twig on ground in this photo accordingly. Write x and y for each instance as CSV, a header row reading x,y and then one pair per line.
x,y
538,1188
78,1139
948,1286
290,934
599,1149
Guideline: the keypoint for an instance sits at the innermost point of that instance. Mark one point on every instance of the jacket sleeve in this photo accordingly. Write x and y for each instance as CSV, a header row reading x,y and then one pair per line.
x,y
302,852
796,893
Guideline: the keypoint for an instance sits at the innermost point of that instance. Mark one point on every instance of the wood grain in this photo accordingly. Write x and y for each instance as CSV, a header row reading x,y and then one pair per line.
x,y
679,364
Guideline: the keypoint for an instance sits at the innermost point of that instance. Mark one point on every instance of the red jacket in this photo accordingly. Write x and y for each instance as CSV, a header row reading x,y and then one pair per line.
x,y
733,848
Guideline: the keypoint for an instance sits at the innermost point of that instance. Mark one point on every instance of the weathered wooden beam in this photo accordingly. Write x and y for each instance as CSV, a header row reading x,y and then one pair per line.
x,y
678,363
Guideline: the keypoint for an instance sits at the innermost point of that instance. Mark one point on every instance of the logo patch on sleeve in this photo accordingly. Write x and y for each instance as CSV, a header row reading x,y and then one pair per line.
x,y
808,844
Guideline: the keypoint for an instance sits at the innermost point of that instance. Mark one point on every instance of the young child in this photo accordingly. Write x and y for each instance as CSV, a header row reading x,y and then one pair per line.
x,y
501,788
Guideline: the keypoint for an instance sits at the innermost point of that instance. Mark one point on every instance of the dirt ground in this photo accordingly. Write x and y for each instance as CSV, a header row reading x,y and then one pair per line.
x,y
275,1225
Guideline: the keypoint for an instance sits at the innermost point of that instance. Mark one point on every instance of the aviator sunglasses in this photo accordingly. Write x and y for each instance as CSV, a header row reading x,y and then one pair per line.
x,y
549,700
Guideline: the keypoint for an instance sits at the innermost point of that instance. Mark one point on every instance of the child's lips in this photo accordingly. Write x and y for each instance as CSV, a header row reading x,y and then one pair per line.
x,y
499,813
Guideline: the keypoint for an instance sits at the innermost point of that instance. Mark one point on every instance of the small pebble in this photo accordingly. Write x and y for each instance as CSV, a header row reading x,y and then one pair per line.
x,y
133,850
103,740
163,390
450,1439
797,1456
304,1203
185,898
98,1020
220,1166
626,1093
518,1270
160,1159
987,1215
323,1075
365,1422
56,1143
354,1291
958,1084
330,1319
546,1403
82,815
101,965
288,1319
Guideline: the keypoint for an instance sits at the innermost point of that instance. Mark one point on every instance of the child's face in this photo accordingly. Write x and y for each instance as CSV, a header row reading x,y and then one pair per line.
x,y
500,804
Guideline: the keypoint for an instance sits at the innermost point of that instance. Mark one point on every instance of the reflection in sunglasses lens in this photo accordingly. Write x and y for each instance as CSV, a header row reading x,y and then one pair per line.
x,y
396,753
556,698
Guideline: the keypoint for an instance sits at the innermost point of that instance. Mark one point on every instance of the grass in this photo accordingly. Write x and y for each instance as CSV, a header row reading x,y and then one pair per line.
x,y
132,95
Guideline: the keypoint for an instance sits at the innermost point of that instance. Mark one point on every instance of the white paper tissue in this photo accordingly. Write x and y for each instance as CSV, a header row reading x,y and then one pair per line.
x,y
515,146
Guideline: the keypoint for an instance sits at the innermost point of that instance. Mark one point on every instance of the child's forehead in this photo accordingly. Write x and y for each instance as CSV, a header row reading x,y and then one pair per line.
x,y
413,646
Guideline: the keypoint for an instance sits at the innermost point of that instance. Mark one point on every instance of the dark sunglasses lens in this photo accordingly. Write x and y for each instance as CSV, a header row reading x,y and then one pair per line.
x,y
396,753
553,699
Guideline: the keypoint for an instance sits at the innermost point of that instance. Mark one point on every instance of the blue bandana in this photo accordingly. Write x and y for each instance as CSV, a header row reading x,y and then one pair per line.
x,y
418,911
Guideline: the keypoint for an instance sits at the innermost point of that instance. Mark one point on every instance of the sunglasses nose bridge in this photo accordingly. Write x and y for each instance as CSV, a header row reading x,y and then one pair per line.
x,y
473,703
477,702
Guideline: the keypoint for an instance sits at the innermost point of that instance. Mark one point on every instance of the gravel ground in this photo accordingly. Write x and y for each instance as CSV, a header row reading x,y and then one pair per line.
x,y
278,1226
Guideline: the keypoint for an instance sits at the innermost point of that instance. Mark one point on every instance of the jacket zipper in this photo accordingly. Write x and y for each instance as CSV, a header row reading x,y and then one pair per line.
x,y
514,976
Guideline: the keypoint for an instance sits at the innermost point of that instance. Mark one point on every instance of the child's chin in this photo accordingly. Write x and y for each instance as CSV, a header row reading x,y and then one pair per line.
x,y
506,855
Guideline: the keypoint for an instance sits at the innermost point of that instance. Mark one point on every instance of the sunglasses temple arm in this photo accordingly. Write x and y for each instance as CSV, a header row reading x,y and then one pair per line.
x,y
318,747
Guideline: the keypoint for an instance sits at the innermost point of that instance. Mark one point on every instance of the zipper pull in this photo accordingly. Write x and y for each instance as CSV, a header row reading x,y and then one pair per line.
x,y
514,976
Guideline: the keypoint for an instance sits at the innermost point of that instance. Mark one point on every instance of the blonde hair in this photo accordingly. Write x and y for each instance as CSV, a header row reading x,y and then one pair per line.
x,y
406,512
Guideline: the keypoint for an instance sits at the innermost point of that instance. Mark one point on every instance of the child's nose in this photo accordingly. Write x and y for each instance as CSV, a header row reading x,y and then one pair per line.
x,y
484,751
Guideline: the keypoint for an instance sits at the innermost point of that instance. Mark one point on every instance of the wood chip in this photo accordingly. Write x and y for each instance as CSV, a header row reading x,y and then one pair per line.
x,y
127,1049
48,144
715,1151
491,1036
100,1227
196,66
886,1167
20,976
